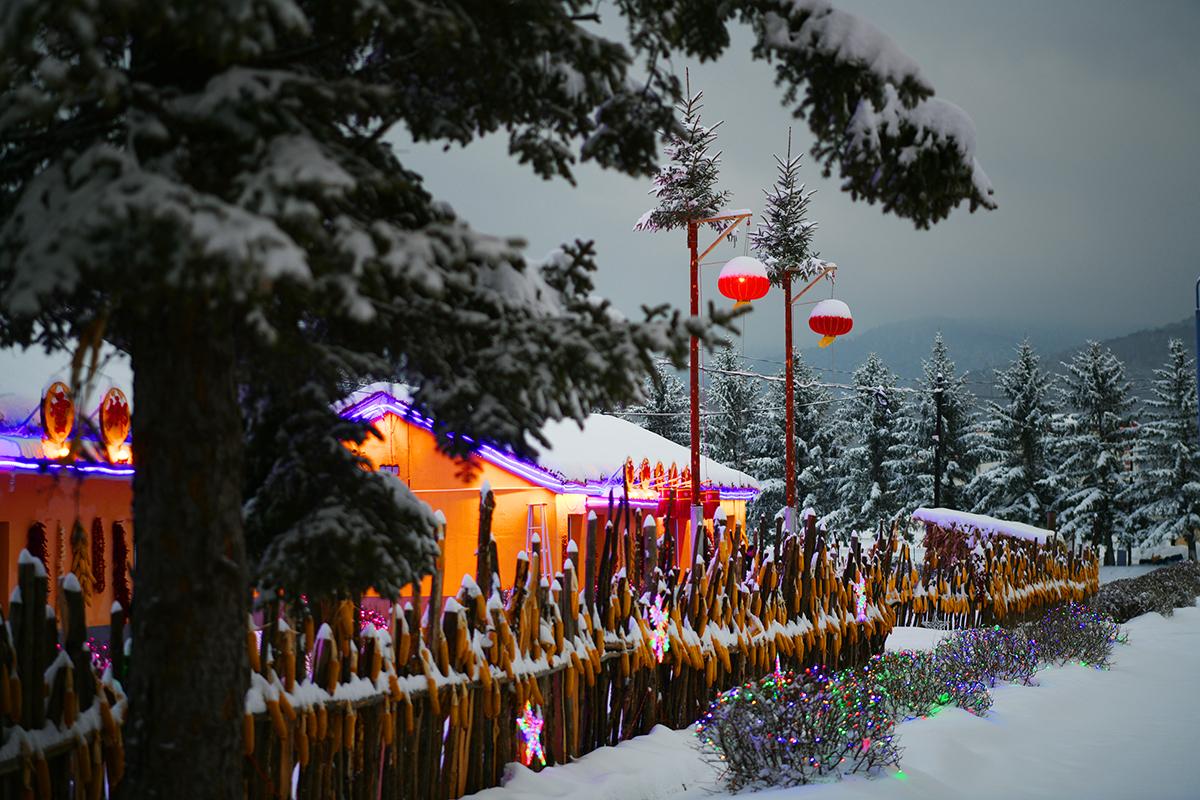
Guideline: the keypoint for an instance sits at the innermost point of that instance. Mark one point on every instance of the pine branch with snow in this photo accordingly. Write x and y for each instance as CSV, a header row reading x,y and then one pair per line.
x,y
783,240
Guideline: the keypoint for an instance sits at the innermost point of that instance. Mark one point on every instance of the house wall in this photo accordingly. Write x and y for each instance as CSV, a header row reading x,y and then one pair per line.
x,y
57,501
439,480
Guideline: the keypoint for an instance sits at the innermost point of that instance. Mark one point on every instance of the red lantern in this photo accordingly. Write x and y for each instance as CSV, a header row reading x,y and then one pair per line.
x,y
831,319
743,279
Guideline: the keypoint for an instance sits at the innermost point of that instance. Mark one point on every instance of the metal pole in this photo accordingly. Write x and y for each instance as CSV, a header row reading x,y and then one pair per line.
x,y
697,509
937,444
789,405
1198,344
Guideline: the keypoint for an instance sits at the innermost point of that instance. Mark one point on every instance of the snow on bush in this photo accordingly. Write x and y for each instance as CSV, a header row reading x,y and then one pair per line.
x,y
1074,632
988,655
787,729
916,683
1162,590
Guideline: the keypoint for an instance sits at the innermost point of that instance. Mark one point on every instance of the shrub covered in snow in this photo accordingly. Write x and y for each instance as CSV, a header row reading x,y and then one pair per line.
x,y
1162,590
787,729
988,655
916,683
1074,632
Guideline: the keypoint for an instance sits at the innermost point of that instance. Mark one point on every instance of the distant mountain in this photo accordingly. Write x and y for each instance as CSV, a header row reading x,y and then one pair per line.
x,y
975,346
981,347
1142,352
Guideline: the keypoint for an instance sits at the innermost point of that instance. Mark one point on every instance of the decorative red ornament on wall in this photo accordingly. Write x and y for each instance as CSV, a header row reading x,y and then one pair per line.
x,y
114,425
58,418
99,578
744,279
830,318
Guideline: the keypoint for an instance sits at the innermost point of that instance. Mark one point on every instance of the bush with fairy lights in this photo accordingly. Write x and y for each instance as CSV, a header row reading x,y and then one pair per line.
x,y
989,655
916,683
1075,632
788,729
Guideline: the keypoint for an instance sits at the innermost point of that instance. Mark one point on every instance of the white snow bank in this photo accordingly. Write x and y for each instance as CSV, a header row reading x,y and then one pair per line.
x,y
948,518
906,638
1123,733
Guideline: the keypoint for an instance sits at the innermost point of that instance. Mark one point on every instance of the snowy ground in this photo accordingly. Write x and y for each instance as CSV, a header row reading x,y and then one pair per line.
x,y
1110,574
1125,733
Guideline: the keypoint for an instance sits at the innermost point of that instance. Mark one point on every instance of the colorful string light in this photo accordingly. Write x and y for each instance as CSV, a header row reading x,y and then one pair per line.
x,y
530,725
659,620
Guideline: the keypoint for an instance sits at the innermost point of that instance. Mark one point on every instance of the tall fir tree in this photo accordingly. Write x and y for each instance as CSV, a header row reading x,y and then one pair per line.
x,y
210,187
1093,445
1164,494
665,408
931,450
1017,439
732,402
686,185
869,428
783,240
814,442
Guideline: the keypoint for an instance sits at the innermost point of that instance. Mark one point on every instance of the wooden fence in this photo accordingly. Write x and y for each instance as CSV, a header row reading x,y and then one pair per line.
x,y
552,669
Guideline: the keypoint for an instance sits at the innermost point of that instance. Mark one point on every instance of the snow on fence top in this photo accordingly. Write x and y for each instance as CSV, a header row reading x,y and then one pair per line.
x,y
948,518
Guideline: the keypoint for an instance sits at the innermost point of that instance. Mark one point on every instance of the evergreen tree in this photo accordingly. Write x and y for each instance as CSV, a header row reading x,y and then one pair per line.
x,y
1021,485
1093,446
665,409
814,435
783,240
928,451
210,187
1164,495
732,403
686,185
869,430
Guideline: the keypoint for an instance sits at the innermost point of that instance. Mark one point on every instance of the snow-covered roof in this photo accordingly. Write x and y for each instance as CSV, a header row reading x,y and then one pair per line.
x,y
599,449
591,454
948,518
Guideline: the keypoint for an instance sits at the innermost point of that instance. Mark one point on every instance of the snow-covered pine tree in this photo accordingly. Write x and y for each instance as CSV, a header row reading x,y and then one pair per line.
x,y
732,403
869,430
814,433
783,240
665,408
686,185
1093,446
1016,438
927,451
210,187
1164,494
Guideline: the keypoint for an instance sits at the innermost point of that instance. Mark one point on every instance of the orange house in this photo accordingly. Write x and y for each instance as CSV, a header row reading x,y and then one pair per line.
x,y
550,498
36,489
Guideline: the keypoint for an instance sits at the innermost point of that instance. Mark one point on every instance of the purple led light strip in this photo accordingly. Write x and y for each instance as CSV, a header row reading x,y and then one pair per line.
x,y
373,407
36,465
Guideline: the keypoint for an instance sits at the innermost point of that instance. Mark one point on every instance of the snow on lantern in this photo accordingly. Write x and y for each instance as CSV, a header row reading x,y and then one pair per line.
x,y
830,318
743,279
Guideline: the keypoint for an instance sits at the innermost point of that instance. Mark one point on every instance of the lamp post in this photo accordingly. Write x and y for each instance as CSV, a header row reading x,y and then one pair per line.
x,y
729,221
829,270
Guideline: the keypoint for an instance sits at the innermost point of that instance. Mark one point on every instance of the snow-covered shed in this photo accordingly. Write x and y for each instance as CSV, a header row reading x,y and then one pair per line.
x,y
552,497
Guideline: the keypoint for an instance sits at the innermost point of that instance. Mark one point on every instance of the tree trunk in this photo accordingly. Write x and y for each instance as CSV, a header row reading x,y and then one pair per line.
x,y
1110,552
1191,544
189,666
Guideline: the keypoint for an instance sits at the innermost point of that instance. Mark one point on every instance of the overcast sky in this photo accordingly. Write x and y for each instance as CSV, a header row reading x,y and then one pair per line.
x,y
1088,115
